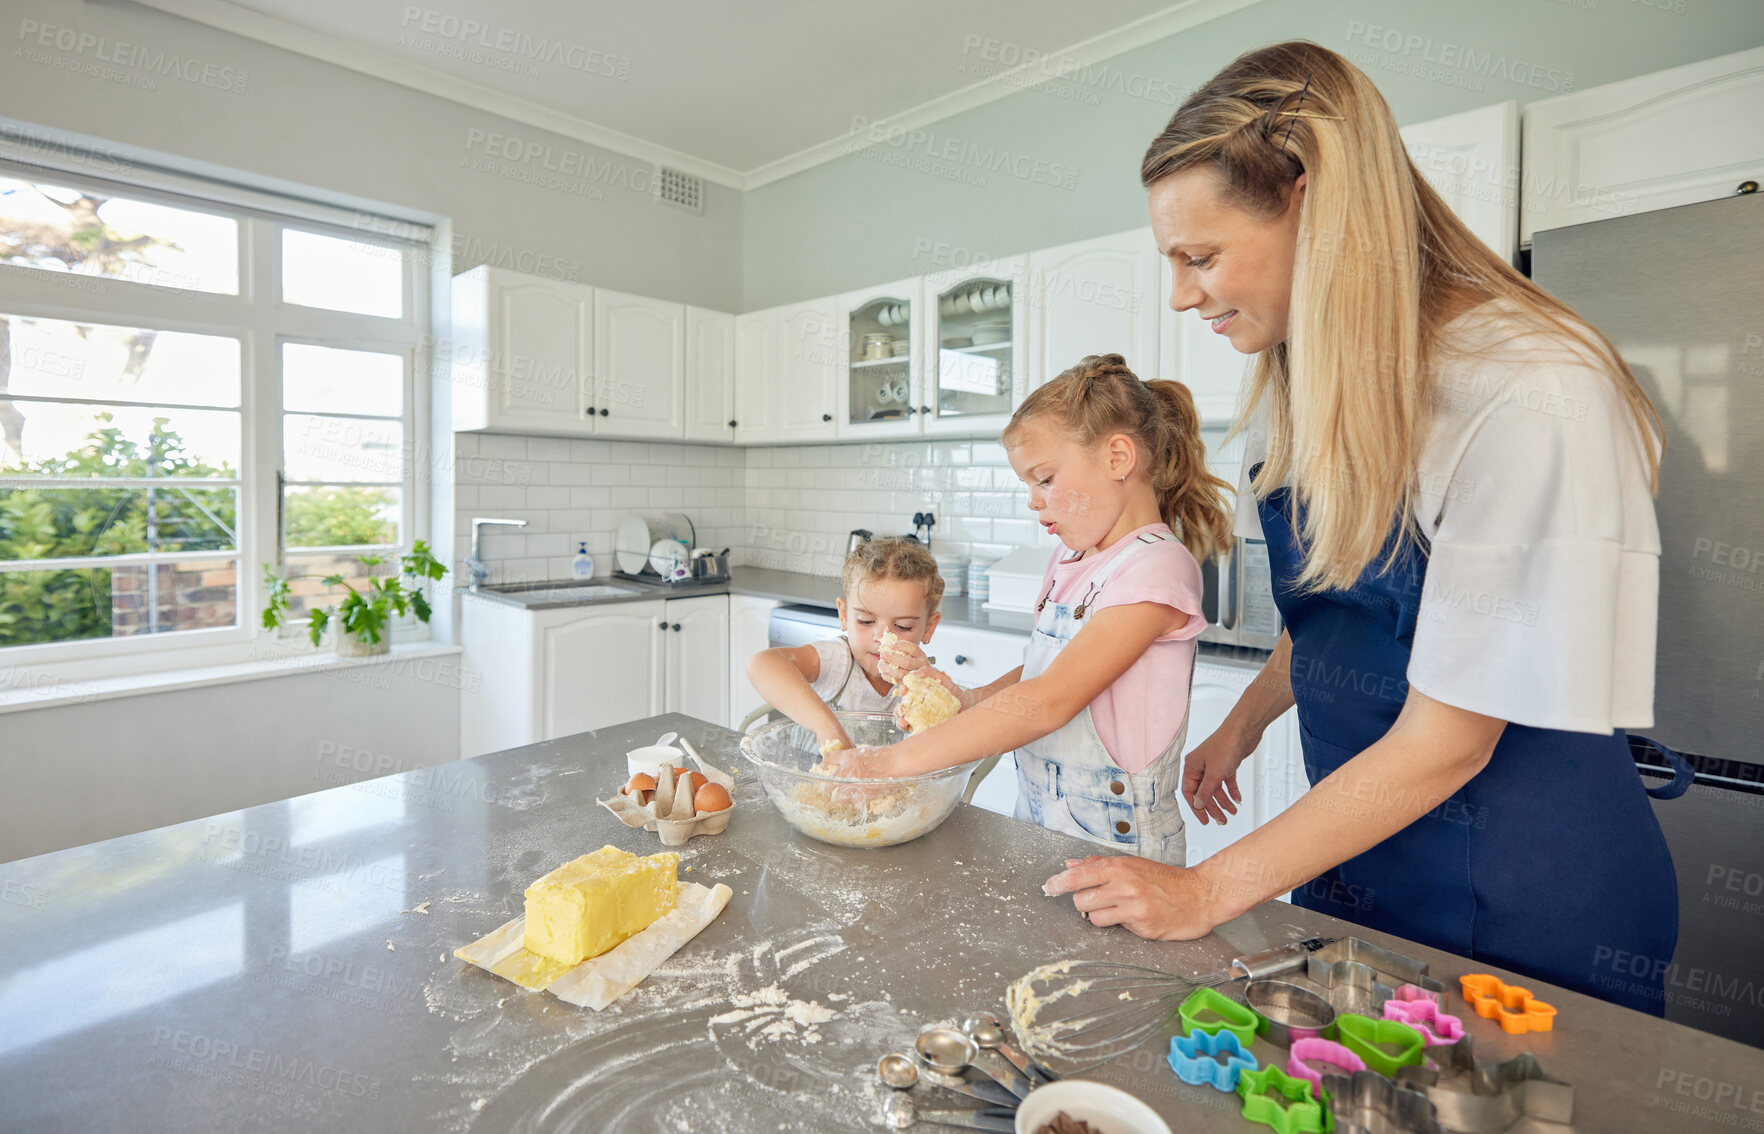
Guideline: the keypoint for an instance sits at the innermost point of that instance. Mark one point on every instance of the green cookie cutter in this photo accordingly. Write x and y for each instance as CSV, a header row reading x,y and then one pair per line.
x,y
1304,1112
1363,1036
1225,1014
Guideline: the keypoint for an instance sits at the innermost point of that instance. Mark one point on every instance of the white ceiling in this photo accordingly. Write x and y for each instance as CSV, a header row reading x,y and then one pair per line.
x,y
742,91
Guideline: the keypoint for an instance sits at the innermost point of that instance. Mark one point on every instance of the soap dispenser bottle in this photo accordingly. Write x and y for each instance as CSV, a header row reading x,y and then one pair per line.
x,y
582,567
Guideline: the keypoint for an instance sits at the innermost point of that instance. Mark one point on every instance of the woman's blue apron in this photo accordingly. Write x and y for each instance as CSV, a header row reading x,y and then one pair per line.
x,y
1548,862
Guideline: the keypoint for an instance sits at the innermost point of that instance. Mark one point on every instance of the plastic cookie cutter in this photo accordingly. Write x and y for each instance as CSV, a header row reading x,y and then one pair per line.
x,y
1208,1010
1323,1051
1368,1103
1507,1004
1437,1028
1358,976
1194,1058
1274,1098
1385,1045
1499,1094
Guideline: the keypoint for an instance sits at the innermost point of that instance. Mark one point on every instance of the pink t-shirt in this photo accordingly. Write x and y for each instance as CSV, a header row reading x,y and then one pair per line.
x,y
1140,714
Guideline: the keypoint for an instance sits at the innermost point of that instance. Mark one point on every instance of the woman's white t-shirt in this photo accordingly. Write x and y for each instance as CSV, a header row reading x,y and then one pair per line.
x,y
837,665
1542,586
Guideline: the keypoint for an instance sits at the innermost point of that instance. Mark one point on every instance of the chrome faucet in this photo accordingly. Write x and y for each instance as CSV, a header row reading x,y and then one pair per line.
x,y
475,561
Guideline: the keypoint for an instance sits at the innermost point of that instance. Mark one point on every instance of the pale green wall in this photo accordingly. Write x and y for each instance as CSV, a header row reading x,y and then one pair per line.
x,y
854,221
314,124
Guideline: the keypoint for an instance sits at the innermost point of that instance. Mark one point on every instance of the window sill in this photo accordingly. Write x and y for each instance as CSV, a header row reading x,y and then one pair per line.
x,y
80,691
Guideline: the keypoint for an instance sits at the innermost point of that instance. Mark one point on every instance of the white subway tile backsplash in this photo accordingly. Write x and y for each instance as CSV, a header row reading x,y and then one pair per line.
x,y
548,497
548,448
505,447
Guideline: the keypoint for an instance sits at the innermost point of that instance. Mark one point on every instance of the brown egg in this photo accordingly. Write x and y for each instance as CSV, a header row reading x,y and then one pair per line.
x,y
697,780
711,798
641,787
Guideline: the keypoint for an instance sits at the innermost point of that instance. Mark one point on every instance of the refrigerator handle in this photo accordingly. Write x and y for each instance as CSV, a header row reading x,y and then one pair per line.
x,y
1228,586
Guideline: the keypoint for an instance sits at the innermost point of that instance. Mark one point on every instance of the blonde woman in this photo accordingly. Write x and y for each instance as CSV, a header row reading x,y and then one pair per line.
x,y
1454,476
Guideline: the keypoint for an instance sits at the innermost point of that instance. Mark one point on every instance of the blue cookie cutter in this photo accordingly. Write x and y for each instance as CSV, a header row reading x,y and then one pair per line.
x,y
1192,1058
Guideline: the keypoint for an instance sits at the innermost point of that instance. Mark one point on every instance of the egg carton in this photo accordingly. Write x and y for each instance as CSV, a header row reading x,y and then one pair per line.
x,y
669,812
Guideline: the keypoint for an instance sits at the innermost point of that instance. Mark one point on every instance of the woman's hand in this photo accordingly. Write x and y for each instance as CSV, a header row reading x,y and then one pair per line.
x,y
1209,775
1152,899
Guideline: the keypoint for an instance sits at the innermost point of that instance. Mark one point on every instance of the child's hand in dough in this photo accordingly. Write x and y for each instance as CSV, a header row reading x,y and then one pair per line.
x,y
861,763
831,743
899,657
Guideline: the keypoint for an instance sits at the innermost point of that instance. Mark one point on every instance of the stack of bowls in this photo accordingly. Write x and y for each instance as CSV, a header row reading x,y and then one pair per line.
x,y
954,570
979,586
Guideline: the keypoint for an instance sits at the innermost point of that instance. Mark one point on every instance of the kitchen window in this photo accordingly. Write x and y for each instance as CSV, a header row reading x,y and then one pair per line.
x,y
193,385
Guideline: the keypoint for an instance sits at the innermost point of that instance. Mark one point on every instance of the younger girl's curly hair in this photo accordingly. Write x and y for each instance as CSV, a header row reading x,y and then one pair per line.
x,y
1101,397
894,557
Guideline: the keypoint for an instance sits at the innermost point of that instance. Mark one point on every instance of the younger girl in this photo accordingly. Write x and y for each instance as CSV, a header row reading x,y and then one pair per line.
x,y
889,584
1098,712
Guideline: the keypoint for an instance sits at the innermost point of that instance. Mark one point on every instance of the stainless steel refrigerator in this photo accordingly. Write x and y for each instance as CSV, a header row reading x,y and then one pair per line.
x,y
1681,293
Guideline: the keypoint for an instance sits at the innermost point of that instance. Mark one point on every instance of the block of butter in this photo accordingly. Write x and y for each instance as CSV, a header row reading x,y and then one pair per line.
x,y
585,907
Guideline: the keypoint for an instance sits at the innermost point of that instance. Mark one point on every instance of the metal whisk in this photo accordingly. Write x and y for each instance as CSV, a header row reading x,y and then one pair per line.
x,y
1089,1012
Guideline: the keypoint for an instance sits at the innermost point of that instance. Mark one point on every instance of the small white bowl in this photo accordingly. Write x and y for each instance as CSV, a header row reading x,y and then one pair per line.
x,y
1109,1109
650,759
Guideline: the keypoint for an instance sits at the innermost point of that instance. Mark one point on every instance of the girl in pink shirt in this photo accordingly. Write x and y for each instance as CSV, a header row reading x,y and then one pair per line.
x,y
1097,713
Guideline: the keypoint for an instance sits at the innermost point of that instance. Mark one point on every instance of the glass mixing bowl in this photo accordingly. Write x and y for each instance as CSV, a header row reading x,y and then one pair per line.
x,y
849,812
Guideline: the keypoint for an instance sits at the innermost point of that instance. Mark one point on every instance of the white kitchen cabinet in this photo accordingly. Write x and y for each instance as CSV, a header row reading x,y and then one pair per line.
x,y
974,330
638,385
878,389
1190,351
786,373
697,657
542,674
599,665
974,658
522,348
1672,137
1265,779
1094,297
710,375
1472,160
750,621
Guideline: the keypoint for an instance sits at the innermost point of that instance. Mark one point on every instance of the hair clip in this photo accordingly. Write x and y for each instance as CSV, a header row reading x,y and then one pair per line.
x,y
1296,112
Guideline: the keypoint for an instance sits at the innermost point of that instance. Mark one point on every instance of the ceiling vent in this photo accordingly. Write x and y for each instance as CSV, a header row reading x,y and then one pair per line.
x,y
681,190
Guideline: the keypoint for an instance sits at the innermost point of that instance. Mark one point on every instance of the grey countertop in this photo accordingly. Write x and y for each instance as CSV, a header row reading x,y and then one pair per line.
x,y
289,967
813,590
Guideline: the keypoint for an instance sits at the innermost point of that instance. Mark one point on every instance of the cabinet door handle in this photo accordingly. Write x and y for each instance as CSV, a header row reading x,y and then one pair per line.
x,y
911,410
664,624
602,413
925,410
826,417
731,423
676,625
961,659
589,412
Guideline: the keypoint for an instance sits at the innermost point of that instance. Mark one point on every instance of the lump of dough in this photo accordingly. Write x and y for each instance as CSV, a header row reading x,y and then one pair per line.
x,y
831,747
927,703
585,907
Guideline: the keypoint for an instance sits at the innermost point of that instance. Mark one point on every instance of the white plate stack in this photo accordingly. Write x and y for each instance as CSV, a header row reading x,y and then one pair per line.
x,y
954,569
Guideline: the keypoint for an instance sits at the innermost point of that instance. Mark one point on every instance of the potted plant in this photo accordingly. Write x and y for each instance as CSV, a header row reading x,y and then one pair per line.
x,y
364,617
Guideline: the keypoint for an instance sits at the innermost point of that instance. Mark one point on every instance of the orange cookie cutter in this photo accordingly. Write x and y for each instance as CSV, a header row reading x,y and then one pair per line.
x,y
1514,1008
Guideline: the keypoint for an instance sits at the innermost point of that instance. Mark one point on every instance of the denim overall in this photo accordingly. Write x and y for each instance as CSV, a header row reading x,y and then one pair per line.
x,y
1066,780
1548,862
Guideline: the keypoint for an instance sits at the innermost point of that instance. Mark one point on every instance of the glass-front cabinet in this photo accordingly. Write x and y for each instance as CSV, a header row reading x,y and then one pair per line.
x,y
974,372
878,396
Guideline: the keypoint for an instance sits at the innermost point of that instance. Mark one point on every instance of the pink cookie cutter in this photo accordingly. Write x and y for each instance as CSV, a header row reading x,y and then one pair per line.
x,y
1324,1051
1412,1006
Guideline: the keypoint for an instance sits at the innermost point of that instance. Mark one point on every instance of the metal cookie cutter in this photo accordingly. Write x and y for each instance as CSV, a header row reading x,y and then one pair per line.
x,y
1500,1094
1507,1004
1288,1012
1368,1103
1437,1028
1274,1098
1193,1058
1359,976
